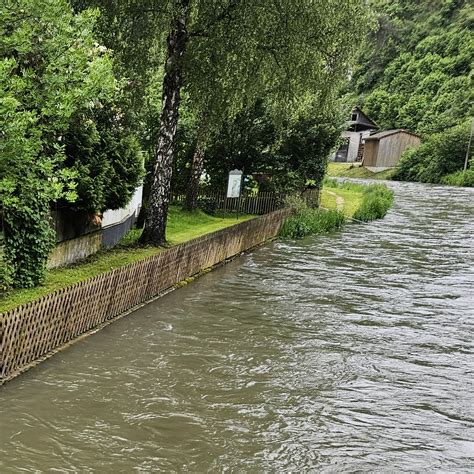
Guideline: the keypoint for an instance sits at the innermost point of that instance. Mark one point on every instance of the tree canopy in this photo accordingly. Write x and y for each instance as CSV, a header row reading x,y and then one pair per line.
x,y
227,54
90,88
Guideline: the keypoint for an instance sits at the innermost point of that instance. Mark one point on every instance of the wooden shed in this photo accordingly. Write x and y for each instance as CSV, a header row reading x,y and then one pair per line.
x,y
384,149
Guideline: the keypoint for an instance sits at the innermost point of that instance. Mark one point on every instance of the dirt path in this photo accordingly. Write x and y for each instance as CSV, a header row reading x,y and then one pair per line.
x,y
339,200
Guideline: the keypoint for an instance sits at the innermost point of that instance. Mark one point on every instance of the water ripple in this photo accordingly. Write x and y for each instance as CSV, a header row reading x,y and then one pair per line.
x,y
345,352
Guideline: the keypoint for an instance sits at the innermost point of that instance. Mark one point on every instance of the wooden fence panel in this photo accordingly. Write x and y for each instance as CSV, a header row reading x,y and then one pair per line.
x,y
32,331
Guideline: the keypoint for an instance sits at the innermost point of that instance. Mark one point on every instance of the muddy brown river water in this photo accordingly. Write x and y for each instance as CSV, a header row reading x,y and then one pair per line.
x,y
347,352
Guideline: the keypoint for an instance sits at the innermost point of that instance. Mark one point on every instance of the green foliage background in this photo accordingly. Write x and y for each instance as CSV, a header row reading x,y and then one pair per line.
x,y
416,70
56,86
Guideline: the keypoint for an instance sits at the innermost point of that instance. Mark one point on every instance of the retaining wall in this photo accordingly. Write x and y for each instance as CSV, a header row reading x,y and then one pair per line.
x,y
32,332
71,251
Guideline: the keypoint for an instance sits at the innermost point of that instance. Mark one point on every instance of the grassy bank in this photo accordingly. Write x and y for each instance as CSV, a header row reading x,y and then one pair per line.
x,y
459,178
340,202
182,226
363,202
347,200
309,221
354,170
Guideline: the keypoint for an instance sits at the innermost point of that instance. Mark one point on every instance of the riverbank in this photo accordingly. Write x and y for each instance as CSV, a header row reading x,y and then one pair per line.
x,y
182,226
82,299
340,202
355,170
338,198
34,331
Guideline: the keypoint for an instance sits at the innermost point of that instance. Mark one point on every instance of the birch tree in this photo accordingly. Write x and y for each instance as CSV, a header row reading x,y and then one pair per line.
x,y
226,54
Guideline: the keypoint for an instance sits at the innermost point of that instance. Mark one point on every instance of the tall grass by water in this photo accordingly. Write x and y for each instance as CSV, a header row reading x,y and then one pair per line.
x,y
307,220
371,201
377,199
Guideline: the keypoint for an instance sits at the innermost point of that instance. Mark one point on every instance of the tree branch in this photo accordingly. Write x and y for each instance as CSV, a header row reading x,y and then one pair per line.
x,y
226,13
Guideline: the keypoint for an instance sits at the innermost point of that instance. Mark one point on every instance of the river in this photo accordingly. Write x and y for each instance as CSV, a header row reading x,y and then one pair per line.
x,y
351,351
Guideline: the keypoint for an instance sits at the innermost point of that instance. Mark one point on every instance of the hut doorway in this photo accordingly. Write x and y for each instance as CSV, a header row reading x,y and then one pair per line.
x,y
341,154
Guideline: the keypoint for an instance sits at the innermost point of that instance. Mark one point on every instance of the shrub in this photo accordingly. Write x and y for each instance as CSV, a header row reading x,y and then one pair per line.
x,y
60,135
377,200
308,221
5,275
460,178
296,202
440,155
208,205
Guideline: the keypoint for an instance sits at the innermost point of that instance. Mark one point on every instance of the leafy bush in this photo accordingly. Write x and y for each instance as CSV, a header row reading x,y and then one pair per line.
x,y
56,87
440,155
305,220
208,205
378,199
415,71
285,152
296,202
5,275
104,157
460,178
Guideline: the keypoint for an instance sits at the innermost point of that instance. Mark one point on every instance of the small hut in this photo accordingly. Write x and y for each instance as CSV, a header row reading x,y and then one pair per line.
x,y
358,128
384,149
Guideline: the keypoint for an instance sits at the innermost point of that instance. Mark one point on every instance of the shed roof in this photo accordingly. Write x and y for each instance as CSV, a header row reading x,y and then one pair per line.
x,y
387,133
362,119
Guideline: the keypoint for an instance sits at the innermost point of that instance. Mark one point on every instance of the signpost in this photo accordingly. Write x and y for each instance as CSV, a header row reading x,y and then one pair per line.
x,y
234,186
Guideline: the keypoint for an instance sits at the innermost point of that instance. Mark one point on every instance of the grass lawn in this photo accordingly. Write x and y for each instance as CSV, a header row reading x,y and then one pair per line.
x,y
345,200
182,226
354,170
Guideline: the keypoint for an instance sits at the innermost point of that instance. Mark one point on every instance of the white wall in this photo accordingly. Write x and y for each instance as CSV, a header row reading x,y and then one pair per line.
x,y
115,217
354,140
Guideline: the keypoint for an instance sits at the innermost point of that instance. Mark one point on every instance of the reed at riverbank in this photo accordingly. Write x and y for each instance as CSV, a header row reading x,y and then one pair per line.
x,y
341,201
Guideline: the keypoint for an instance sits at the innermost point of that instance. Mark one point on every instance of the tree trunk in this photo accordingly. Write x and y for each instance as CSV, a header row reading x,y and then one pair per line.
x,y
192,189
157,211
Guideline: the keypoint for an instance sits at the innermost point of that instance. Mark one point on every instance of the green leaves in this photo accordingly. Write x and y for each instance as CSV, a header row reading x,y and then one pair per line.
x,y
51,71
440,155
415,70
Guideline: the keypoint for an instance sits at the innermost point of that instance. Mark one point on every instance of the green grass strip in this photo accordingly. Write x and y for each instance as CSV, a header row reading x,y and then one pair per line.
x,y
182,226
352,170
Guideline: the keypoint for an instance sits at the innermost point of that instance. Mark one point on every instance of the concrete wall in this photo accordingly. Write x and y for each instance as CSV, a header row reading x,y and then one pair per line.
x,y
355,139
120,215
71,251
78,238
113,234
354,142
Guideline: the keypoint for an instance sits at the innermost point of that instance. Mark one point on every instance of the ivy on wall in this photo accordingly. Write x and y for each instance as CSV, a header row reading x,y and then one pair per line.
x,y
51,72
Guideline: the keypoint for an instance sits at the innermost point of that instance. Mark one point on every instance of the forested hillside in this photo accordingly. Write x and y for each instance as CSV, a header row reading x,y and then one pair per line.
x,y
415,72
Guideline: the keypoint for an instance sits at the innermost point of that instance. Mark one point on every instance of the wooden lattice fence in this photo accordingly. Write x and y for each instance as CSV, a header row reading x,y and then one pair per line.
x,y
29,333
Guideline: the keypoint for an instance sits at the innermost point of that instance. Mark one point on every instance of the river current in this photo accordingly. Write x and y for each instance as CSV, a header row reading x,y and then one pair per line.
x,y
345,352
